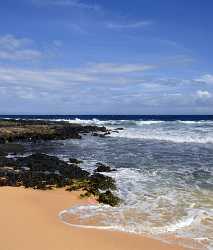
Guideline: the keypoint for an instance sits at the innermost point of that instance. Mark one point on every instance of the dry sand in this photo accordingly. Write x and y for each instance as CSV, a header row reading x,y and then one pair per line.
x,y
29,221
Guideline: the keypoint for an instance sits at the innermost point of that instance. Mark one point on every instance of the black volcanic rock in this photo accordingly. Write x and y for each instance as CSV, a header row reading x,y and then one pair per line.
x,y
75,161
2,140
119,129
103,168
7,162
42,162
109,198
11,148
95,185
25,130
102,182
39,171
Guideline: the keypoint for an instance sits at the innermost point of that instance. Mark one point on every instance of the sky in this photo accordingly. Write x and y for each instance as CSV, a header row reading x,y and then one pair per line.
x,y
106,57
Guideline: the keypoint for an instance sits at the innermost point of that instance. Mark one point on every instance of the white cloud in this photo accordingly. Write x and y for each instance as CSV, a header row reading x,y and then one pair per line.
x,y
134,25
45,79
11,42
98,75
13,48
97,87
203,94
208,78
111,68
72,3
20,55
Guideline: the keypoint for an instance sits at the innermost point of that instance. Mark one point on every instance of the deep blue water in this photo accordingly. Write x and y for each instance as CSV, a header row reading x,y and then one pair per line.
x,y
116,117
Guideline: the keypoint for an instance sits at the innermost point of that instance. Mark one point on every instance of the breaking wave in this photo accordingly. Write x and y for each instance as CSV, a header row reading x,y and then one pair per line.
x,y
169,136
149,208
131,122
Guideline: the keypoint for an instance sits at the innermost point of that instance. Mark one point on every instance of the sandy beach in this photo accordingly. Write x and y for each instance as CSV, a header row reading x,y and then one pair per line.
x,y
29,220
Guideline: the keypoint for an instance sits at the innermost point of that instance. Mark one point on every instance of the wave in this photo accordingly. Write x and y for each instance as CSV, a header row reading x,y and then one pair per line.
x,y
80,121
92,210
136,229
173,136
195,122
148,122
133,122
112,122
95,121
148,209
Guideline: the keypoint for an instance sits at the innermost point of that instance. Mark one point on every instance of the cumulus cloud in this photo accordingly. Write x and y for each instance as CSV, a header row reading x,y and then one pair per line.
x,y
203,94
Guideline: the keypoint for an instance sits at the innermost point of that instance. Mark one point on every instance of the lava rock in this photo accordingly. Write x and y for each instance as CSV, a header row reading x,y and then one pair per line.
x,y
119,129
75,161
43,162
102,182
2,140
103,168
32,131
109,198
7,162
12,148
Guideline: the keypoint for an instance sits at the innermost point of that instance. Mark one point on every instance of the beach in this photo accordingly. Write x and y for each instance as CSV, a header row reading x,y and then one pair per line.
x,y
29,220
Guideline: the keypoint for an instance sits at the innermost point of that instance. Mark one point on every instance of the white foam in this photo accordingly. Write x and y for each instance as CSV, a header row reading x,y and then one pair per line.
x,y
176,136
95,121
196,122
151,122
147,199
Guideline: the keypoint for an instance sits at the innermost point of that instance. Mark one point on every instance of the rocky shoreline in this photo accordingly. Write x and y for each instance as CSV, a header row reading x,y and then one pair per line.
x,y
32,130
42,171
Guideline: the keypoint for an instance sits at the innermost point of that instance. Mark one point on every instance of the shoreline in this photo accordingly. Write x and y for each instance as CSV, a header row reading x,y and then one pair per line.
x,y
29,220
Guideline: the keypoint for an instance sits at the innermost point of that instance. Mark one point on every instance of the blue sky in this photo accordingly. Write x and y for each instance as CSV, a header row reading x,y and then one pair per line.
x,y
106,57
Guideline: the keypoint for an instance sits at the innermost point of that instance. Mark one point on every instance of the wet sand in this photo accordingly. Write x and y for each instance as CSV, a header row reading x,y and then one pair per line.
x,y
29,221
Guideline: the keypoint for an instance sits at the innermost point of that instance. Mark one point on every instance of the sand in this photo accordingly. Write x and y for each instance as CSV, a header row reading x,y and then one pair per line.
x,y
29,221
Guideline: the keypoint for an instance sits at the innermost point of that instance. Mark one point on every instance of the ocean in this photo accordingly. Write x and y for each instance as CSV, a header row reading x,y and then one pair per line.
x,y
164,174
